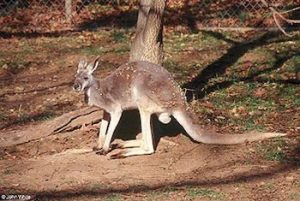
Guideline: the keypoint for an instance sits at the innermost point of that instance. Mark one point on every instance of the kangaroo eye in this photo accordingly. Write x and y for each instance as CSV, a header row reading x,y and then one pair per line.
x,y
85,78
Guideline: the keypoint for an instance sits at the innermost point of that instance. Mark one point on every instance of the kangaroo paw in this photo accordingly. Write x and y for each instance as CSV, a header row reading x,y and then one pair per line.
x,y
100,151
118,155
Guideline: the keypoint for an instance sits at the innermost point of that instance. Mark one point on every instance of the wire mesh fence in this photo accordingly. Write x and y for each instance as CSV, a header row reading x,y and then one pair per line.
x,y
58,15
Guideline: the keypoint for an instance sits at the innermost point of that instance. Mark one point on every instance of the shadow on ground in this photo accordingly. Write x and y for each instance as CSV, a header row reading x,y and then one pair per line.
x,y
238,49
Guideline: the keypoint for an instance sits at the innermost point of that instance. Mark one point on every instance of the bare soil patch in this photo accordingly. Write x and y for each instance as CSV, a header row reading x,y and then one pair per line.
x,y
48,168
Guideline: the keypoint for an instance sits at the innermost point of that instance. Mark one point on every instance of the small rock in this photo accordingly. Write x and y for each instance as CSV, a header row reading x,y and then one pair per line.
x,y
221,117
5,66
290,178
262,183
19,88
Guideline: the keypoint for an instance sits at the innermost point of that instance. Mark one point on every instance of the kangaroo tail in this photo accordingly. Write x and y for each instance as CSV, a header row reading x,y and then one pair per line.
x,y
200,135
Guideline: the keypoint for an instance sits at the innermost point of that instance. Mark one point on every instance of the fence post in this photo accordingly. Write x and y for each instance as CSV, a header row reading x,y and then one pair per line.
x,y
68,10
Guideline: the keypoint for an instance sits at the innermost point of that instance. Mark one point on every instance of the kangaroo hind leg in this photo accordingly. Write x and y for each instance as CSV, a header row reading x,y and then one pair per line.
x,y
146,146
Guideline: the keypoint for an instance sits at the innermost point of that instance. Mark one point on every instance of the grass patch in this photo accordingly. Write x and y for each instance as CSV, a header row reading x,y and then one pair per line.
x,y
293,65
3,116
27,49
291,94
15,66
269,186
218,98
44,116
273,151
204,192
297,183
122,49
113,197
171,66
96,186
243,96
25,118
92,50
177,42
156,195
275,155
250,125
252,103
161,194
7,172
118,36
294,196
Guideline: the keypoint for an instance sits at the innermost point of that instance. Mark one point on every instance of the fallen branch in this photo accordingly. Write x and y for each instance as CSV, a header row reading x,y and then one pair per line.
x,y
66,123
276,14
66,127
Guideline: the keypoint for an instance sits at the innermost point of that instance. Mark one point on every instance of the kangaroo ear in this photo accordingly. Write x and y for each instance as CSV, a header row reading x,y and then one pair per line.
x,y
93,66
82,64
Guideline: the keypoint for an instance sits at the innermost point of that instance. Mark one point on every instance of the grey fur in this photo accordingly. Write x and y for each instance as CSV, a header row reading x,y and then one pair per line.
x,y
151,89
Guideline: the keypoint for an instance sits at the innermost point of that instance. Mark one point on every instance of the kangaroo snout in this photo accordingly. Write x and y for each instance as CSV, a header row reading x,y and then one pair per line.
x,y
76,87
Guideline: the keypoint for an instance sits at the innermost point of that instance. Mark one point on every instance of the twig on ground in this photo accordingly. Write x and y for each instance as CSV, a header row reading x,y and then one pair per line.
x,y
64,126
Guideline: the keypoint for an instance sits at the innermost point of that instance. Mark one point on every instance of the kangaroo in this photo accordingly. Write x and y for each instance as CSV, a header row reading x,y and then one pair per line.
x,y
151,89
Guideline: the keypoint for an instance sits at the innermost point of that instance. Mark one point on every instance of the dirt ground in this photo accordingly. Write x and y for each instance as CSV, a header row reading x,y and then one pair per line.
x,y
179,170
36,90
46,168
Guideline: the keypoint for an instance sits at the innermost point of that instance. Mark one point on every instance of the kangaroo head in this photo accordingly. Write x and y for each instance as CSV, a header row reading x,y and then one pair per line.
x,y
84,77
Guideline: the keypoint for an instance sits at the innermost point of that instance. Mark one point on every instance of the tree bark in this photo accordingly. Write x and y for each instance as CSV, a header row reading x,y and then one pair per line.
x,y
148,42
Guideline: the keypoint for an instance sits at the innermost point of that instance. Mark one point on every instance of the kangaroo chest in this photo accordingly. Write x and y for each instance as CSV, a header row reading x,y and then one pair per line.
x,y
87,97
95,98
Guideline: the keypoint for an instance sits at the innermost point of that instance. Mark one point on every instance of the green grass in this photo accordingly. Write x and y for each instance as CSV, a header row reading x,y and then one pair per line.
x,y
26,50
157,195
122,49
25,118
92,50
96,186
15,66
274,154
119,36
243,16
204,192
297,183
250,125
171,66
113,197
242,108
177,42
293,65
3,116
244,97
269,186
294,196
273,151
291,94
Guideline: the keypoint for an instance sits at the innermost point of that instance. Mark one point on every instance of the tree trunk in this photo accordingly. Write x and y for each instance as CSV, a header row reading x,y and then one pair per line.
x,y
148,42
